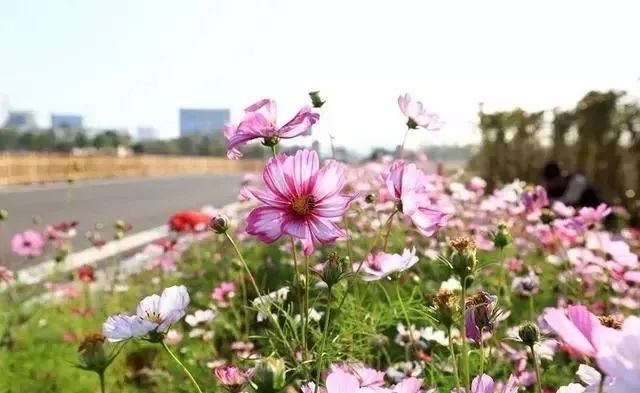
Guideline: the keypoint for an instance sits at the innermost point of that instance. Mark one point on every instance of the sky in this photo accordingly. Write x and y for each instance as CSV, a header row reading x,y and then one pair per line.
x,y
129,63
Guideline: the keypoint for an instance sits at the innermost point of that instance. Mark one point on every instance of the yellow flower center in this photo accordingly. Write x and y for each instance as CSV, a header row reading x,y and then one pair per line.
x,y
153,316
303,205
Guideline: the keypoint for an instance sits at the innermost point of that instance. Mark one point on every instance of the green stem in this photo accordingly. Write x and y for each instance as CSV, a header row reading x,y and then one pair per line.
x,y
244,263
186,371
463,334
406,316
325,333
456,374
255,287
505,277
386,236
305,321
273,150
404,140
531,308
102,387
536,367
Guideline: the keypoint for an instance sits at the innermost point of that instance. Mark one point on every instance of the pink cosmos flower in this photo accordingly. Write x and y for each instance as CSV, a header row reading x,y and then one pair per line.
x,y
534,198
589,216
301,200
619,356
223,293
6,274
417,115
28,243
576,328
229,131
406,183
380,265
484,384
230,376
260,122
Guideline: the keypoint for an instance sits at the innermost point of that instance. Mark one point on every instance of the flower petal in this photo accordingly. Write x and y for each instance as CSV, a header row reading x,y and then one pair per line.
x,y
265,223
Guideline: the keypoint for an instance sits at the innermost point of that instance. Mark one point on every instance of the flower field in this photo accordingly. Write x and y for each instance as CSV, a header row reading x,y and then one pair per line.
x,y
324,277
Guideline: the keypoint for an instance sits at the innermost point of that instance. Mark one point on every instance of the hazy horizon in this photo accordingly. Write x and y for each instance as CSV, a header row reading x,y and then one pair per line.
x,y
126,64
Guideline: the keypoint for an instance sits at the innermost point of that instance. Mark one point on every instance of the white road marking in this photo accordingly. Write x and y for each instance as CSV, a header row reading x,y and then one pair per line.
x,y
37,273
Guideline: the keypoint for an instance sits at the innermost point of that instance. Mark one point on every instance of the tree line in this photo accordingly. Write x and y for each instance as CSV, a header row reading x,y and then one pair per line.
x,y
599,138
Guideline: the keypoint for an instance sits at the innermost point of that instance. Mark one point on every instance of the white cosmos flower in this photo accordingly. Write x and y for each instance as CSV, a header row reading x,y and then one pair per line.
x,y
154,313
430,334
201,316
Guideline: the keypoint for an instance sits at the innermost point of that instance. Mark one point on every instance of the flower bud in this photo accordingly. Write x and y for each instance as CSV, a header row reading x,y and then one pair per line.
x,y
445,305
219,224
463,257
3,214
529,333
62,253
269,375
502,237
91,353
118,235
371,198
334,269
86,273
316,100
230,377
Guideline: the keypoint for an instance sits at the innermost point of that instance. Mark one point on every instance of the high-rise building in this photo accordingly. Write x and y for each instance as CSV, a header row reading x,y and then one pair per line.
x,y
21,120
146,133
202,121
60,120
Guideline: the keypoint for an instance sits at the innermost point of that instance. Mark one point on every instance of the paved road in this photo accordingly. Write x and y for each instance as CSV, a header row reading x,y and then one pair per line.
x,y
144,202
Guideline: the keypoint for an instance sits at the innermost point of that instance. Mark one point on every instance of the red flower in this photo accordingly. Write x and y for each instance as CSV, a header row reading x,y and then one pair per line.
x,y
189,220
85,273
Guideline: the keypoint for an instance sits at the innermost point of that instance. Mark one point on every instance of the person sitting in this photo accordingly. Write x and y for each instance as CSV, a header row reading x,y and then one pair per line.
x,y
569,188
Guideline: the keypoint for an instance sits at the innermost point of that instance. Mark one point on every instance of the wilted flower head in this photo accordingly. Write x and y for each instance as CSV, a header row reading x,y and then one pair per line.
x,y
154,315
462,257
446,306
92,355
260,122
316,99
480,314
334,269
381,264
28,243
301,200
417,115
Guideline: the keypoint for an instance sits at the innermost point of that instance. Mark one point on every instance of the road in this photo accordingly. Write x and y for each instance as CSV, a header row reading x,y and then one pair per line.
x,y
144,202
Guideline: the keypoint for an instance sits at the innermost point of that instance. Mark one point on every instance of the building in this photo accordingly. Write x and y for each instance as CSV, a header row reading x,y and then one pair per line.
x,y
146,133
202,121
21,120
70,121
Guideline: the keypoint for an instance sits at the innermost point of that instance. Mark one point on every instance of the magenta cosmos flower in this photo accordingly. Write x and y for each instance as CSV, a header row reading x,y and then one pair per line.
x,y
417,115
301,200
260,121
485,384
28,243
223,293
407,184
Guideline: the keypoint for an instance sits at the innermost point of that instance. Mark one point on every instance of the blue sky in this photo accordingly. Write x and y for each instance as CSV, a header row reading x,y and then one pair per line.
x,y
127,63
